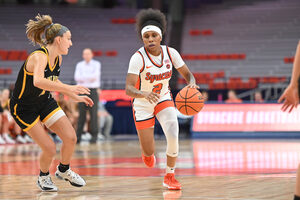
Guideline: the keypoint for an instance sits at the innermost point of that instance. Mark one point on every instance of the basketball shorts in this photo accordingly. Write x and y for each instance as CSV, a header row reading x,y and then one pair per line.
x,y
26,116
144,112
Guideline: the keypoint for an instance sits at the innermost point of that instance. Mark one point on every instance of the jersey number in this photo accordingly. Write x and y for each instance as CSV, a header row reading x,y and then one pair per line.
x,y
157,88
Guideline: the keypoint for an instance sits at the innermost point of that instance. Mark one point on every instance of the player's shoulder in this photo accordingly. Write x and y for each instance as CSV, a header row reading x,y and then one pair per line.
x,y
137,54
38,56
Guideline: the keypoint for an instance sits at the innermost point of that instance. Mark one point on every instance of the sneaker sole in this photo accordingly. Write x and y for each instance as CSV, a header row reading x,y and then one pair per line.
x,y
171,188
74,184
45,189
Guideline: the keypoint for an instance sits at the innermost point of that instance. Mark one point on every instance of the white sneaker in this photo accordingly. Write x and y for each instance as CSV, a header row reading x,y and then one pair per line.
x,y
100,137
86,136
8,139
2,141
21,139
70,176
45,184
28,139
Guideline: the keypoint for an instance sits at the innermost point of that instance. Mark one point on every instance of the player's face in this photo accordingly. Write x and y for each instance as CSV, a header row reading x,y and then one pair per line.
x,y
65,43
151,40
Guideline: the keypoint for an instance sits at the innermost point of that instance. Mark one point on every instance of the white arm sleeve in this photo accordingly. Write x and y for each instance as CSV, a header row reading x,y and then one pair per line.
x,y
176,58
135,64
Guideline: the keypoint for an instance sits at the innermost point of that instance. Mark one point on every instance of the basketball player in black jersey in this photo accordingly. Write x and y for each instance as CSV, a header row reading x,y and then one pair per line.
x,y
290,99
32,104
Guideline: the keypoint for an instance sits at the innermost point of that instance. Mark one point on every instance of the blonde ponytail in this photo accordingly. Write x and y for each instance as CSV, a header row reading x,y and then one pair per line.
x,y
42,31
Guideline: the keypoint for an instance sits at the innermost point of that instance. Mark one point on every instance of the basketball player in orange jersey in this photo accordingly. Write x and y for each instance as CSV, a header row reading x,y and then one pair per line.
x,y
32,103
290,99
150,70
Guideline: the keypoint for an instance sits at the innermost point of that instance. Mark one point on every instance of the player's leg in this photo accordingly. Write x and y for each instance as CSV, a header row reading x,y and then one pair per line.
x,y
167,118
63,128
144,123
39,135
146,138
55,119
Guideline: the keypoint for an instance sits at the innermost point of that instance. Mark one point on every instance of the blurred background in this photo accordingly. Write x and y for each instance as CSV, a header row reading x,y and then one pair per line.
x,y
240,52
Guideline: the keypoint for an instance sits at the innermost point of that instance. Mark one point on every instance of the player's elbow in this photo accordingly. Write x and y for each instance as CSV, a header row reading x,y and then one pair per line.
x,y
37,82
127,90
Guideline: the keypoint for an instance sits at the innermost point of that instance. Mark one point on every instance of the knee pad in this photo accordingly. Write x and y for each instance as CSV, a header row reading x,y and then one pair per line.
x,y
169,123
171,130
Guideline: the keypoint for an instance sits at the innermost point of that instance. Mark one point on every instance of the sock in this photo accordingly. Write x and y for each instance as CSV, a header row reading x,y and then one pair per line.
x,y
296,197
170,169
44,174
63,168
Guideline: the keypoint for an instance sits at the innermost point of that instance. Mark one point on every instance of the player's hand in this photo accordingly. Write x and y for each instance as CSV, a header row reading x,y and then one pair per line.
x,y
152,97
78,89
84,99
193,85
290,98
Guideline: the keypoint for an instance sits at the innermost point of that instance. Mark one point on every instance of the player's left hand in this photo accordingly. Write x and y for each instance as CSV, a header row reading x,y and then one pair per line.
x,y
290,98
84,99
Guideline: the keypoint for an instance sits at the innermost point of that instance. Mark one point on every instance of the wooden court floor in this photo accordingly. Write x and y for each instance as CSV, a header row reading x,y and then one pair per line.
x,y
207,170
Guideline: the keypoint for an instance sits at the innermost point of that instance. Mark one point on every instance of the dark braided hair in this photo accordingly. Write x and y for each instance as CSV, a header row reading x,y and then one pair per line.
x,y
150,17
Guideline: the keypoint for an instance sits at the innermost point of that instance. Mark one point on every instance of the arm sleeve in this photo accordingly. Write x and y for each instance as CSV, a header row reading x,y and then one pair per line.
x,y
135,64
176,58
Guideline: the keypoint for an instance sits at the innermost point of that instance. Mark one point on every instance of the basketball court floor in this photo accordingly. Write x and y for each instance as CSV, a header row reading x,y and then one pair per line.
x,y
207,170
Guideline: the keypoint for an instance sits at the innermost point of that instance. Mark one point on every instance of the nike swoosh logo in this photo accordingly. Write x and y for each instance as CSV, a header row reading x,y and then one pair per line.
x,y
148,67
58,70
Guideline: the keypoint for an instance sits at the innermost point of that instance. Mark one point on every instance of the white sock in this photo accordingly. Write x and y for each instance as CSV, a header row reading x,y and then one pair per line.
x,y
170,169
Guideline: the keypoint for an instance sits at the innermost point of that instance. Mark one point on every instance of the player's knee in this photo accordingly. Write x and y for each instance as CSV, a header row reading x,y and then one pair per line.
x,y
50,150
70,139
171,130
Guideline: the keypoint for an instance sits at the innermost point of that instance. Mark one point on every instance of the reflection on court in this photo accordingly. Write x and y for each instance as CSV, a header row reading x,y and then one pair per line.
x,y
114,170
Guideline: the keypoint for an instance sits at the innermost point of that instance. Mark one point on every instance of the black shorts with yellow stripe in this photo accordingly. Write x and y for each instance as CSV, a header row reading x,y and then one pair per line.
x,y
26,116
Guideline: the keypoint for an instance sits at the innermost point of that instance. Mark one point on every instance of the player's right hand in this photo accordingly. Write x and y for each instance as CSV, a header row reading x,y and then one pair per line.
x,y
152,97
290,98
78,89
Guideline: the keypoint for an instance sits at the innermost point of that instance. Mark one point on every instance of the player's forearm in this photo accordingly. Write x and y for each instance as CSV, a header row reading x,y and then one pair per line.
x,y
51,86
133,92
296,68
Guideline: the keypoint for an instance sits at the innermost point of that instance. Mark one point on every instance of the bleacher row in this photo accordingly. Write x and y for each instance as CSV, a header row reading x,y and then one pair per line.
x,y
265,32
218,81
109,32
243,39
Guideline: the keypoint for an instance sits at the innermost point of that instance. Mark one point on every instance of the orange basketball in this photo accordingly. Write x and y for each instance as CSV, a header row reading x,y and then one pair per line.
x,y
189,101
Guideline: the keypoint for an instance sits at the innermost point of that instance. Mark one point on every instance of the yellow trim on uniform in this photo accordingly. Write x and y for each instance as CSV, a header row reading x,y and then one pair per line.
x,y
32,124
55,61
52,113
31,73
23,85
15,113
27,73
29,126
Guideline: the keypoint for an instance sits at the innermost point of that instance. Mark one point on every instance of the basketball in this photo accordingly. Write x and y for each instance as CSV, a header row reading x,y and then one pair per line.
x,y
189,101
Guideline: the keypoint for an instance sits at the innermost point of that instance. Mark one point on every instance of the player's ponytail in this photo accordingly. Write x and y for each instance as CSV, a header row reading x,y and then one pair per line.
x,y
42,31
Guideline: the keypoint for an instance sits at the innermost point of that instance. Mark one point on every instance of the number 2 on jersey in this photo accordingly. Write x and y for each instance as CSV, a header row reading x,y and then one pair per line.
x,y
157,88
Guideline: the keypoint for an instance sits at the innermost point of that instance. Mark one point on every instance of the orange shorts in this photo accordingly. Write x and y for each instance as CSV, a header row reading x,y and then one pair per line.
x,y
144,112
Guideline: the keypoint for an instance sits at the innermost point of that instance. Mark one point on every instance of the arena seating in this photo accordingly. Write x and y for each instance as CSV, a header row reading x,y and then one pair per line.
x,y
249,39
265,33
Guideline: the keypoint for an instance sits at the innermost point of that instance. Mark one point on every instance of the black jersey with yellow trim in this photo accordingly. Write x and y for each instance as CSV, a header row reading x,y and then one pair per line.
x,y
25,92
